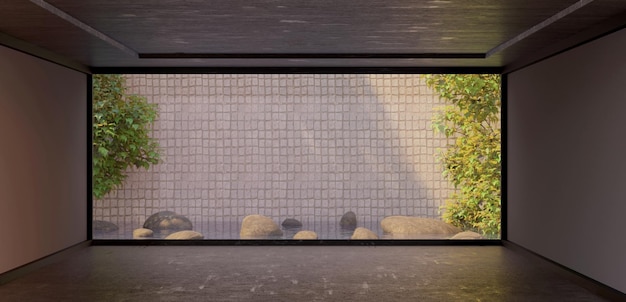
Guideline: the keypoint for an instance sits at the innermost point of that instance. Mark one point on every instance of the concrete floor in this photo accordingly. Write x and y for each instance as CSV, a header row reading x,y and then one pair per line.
x,y
295,273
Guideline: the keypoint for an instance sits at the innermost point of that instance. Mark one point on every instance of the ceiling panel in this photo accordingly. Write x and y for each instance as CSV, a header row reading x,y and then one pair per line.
x,y
322,26
567,32
240,33
28,22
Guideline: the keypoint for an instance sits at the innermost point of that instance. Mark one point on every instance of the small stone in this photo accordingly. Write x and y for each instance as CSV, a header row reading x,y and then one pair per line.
x,y
406,227
467,235
291,223
100,226
185,235
348,220
363,234
142,233
305,235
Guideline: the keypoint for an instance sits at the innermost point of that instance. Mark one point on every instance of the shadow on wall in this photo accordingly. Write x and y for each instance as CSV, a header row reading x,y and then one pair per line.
x,y
310,147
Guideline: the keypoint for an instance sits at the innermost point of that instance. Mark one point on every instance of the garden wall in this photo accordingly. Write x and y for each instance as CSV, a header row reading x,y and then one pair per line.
x,y
310,147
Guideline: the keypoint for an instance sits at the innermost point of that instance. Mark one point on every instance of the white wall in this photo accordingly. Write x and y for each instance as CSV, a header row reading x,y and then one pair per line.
x,y
42,158
567,159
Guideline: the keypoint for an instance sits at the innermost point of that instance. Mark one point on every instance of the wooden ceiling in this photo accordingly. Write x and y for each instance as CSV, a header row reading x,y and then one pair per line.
x,y
320,33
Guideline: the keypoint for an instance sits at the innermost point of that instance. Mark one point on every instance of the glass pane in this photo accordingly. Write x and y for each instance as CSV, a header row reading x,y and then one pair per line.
x,y
334,154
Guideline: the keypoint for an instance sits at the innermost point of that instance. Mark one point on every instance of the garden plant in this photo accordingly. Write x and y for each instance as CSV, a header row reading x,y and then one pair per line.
x,y
121,133
472,161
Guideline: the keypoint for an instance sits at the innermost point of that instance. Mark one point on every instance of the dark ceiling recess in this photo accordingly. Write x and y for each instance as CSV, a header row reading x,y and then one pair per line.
x,y
312,56
320,34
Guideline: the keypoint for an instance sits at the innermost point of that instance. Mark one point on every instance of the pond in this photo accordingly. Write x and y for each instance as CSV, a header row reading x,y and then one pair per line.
x,y
229,230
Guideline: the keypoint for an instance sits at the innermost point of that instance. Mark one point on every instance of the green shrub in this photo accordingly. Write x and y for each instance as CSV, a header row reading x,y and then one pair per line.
x,y
121,133
473,161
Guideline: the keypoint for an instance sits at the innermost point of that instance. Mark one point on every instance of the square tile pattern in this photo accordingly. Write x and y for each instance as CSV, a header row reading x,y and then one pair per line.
x,y
310,147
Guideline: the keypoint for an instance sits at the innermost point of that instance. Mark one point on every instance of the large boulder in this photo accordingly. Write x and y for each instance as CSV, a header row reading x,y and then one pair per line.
x,y
363,234
167,222
259,227
348,220
467,235
417,227
100,226
185,235
291,223
305,235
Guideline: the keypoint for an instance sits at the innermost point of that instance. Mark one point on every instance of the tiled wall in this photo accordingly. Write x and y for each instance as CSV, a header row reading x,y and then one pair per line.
x,y
309,147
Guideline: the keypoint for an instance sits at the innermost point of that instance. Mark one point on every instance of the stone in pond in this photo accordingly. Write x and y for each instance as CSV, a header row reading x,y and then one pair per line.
x,y
416,227
185,235
142,233
291,223
363,234
348,220
305,235
259,227
167,222
467,235
100,226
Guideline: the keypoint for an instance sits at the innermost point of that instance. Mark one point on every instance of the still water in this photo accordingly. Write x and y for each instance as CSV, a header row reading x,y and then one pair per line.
x,y
230,230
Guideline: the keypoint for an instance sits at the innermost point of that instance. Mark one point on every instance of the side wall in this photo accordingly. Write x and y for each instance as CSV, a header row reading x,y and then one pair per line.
x,y
566,159
42,158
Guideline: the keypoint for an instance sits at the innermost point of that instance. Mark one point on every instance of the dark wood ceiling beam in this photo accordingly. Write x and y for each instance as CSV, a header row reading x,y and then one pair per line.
x,y
33,50
558,16
90,30
608,26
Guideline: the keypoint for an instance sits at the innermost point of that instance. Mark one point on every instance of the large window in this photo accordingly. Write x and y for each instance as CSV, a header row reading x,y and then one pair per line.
x,y
268,156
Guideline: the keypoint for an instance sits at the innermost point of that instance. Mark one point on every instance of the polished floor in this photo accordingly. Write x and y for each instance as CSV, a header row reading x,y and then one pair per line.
x,y
295,273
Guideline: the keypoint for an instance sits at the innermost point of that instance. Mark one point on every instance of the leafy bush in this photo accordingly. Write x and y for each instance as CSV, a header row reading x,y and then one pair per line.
x,y
473,162
121,128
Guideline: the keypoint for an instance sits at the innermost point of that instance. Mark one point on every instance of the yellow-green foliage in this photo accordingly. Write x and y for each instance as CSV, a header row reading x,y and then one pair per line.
x,y
120,133
473,162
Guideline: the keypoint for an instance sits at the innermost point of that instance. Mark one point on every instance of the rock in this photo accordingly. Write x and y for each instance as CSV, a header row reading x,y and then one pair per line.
x,y
167,222
100,226
142,233
185,235
259,227
467,235
305,235
348,220
291,223
363,233
417,227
